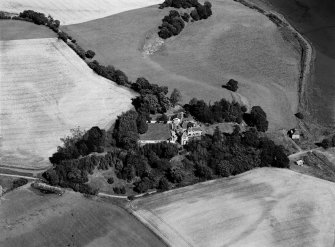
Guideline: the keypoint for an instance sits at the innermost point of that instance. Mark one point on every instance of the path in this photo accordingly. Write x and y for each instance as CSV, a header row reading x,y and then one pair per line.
x,y
17,176
297,154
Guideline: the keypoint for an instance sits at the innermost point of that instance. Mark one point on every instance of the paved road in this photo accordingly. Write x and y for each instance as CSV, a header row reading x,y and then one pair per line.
x,y
296,155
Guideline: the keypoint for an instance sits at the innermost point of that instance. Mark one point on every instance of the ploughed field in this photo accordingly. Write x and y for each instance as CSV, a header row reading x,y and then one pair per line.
x,y
75,11
46,90
263,207
29,218
235,42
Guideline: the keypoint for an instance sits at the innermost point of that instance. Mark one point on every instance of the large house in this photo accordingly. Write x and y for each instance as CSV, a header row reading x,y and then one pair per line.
x,y
158,132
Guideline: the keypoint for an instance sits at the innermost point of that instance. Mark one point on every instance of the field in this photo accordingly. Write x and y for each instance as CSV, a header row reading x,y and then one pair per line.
x,y
75,11
263,207
236,42
46,90
28,218
11,30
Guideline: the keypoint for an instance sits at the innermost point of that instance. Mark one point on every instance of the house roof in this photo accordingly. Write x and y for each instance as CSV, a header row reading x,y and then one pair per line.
x,y
196,129
156,132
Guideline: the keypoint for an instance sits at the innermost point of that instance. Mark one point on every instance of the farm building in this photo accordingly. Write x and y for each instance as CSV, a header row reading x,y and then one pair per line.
x,y
294,134
157,133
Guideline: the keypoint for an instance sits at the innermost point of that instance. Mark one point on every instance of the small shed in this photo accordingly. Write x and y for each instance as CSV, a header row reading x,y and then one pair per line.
x,y
294,134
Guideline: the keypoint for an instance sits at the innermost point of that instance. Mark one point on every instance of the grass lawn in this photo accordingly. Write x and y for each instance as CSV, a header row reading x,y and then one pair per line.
x,y
28,218
262,207
13,29
236,42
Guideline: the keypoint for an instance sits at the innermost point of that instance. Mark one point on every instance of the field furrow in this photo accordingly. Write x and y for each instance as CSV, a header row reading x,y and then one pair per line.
x,y
263,207
46,90
75,11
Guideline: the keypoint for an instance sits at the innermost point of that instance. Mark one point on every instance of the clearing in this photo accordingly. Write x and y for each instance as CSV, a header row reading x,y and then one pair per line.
x,y
262,207
75,11
29,218
12,29
45,91
235,42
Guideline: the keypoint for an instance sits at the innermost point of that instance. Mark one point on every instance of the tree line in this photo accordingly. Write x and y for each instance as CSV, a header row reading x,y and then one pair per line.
x,y
174,22
223,155
225,111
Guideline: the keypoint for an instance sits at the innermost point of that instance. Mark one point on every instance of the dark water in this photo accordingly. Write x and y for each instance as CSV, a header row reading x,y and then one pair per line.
x,y
315,19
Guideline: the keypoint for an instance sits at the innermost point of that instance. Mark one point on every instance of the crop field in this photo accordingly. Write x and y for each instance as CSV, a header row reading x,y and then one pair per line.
x,y
75,11
46,90
12,30
29,218
236,42
263,207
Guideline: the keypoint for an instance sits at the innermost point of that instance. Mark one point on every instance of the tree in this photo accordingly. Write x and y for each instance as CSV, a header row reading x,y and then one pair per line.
x,y
224,169
194,14
95,138
63,36
152,102
51,176
326,143
163,184
57,23
258,118
175,97
299,115
232,85
163,118
202,171
186,17
250,138
280,159
142,125
175,175
90,54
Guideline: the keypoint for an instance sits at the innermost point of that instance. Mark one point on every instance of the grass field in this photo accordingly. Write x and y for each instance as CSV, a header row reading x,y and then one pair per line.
x,y
11,30
28,218
263,207
318,25
75,11
236,42
46,90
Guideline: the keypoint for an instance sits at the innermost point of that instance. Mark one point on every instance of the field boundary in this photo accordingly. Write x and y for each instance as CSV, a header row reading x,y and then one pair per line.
x,y
163,230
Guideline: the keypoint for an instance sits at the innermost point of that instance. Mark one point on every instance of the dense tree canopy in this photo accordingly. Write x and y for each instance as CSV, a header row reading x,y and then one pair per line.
x,y
220,111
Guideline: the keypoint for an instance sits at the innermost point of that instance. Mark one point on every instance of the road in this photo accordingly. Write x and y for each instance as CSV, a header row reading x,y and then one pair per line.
x,y
17,176
297,154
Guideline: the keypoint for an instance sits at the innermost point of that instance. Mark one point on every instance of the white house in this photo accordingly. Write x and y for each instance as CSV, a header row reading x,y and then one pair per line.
x,y
300,162
194,131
